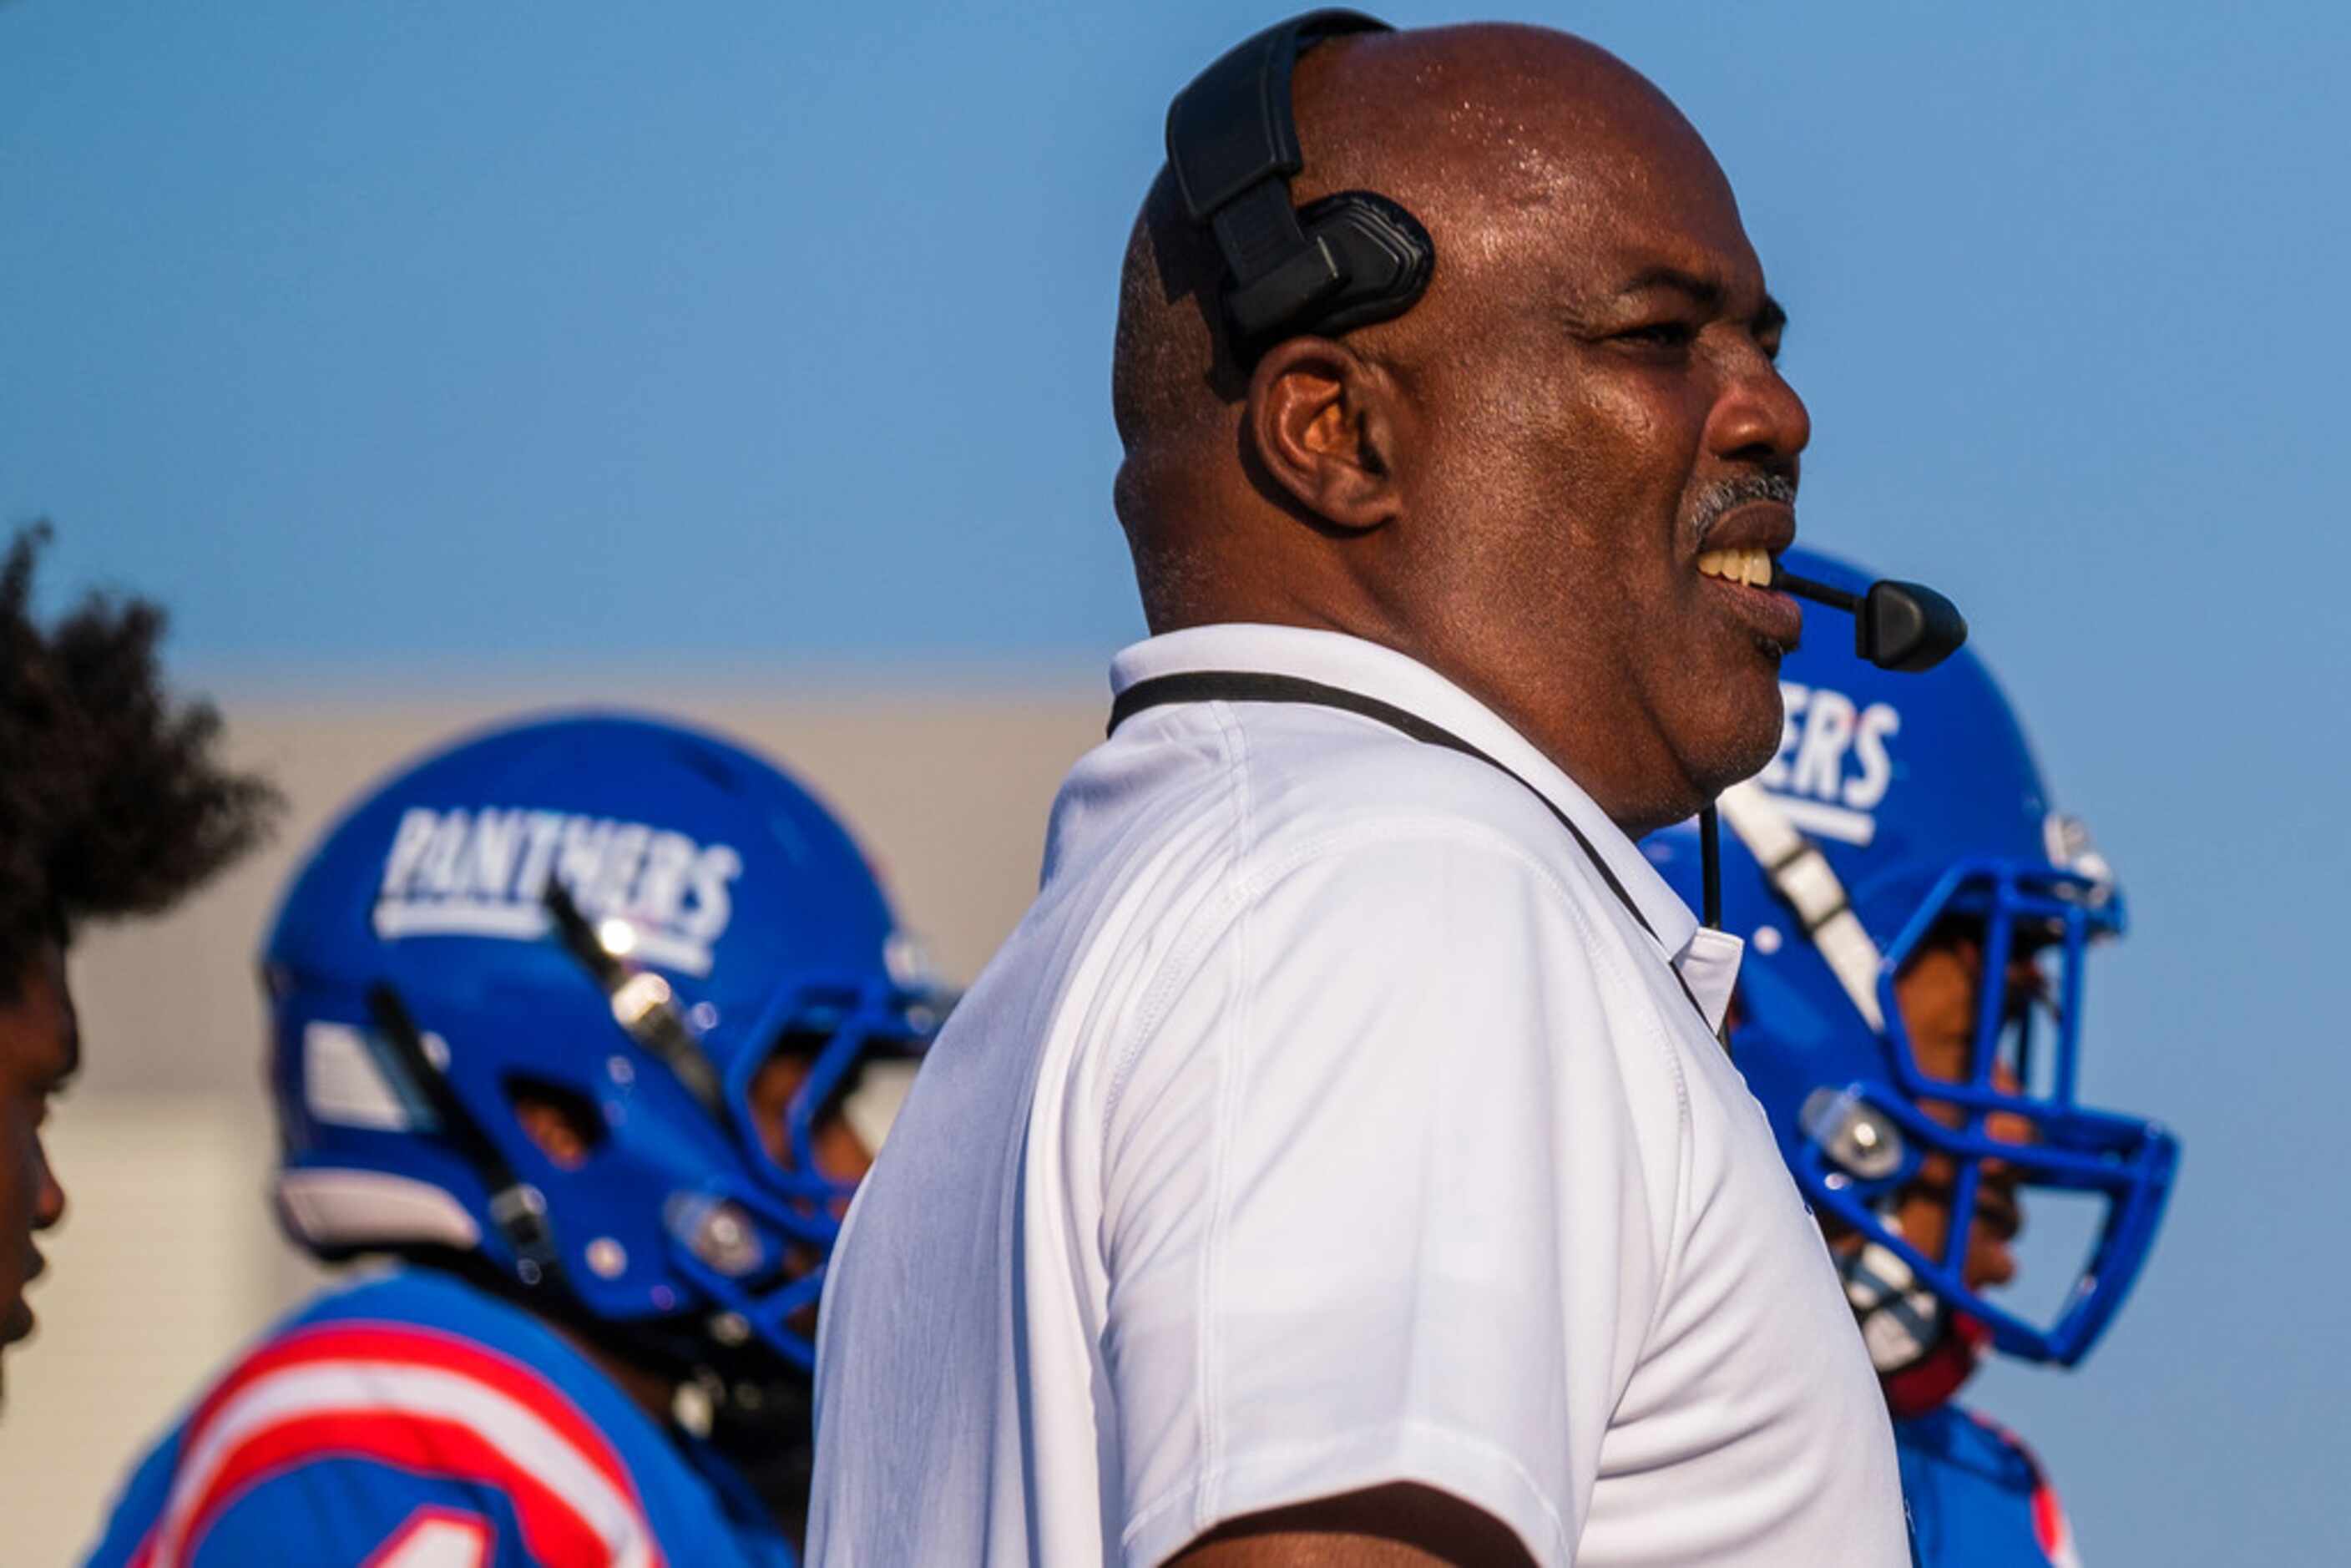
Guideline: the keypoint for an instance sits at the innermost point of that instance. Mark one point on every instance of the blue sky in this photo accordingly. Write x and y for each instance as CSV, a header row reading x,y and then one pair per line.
x,y
387,340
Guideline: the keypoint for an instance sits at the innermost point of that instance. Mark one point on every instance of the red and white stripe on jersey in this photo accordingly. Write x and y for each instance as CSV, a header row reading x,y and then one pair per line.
x,y
2051,1530
437,1538
429,1403
2051,1527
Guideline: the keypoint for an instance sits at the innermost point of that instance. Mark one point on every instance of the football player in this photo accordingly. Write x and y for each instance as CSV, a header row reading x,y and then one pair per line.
x,y
113,801
1909,1013
584,1027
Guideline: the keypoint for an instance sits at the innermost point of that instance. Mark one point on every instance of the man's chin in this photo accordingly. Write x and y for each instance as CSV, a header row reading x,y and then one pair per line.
x,y
1745,749
1719,720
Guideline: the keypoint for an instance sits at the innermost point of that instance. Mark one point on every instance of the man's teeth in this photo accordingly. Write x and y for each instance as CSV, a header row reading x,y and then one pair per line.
x,y
1752,567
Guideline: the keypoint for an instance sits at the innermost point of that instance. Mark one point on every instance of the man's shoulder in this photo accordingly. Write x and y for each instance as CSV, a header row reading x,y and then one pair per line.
x,y
1271,799
1319,764
1260,765
1364,860
1331,798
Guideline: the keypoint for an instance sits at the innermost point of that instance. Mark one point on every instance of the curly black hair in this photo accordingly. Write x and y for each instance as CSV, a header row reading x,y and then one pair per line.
x,y
113,799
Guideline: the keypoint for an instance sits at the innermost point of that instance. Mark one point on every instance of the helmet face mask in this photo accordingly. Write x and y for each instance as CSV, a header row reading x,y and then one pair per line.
x,y
1900,849
729,921
758,1249
2008,1120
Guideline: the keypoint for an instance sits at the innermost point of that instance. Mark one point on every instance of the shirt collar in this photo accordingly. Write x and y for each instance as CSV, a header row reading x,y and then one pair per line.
x,y
1337,659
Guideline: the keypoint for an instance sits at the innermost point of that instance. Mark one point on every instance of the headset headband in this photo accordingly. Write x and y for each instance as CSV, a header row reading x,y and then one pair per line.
x,y
1232,145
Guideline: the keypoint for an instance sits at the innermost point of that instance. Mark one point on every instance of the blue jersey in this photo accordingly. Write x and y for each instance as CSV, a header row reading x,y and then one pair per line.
x,y
416,1422
1977,1496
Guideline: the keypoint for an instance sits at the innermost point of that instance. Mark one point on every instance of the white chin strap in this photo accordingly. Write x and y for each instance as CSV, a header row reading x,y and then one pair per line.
x,y
1901,1319
1800,874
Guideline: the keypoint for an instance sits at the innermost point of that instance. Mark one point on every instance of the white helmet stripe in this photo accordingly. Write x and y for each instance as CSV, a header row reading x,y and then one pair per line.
x,y
1800,874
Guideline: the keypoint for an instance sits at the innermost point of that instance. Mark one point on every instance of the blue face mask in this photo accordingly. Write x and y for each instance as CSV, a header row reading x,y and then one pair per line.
x,y
2014,1113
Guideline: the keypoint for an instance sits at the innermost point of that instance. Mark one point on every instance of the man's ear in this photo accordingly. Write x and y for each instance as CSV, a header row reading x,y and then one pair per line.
x,y
1321,422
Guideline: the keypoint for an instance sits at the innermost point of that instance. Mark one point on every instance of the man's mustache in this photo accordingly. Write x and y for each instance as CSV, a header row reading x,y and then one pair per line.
x,y
1724,495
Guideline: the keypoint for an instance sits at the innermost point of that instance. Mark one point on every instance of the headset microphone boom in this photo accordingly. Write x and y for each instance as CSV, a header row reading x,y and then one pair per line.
x,y
1897,625
1904,626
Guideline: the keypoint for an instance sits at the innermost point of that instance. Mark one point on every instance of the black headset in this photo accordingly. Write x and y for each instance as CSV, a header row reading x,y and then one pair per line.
x,y
1232,145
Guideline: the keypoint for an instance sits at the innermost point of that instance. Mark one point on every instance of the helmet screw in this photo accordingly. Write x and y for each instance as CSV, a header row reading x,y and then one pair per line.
x,y
716,1232
1855,1135
694,1406
730,1329
607,1259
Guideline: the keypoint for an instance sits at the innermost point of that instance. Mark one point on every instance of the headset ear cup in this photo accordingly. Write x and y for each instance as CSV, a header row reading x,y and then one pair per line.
x,y
1383,254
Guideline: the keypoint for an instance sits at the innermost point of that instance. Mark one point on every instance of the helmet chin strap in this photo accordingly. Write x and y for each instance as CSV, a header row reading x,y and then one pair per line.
x,y
1923,1351
1901,1319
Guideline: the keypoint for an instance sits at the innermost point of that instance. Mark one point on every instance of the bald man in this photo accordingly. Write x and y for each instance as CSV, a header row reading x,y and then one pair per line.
x,y
1339,1163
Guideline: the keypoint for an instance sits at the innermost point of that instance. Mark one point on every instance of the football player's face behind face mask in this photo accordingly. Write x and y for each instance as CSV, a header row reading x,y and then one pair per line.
x,y
841,1152
1941,993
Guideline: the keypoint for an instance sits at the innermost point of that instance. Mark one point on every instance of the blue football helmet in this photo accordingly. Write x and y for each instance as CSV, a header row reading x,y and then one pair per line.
x,y
626,918
1899,807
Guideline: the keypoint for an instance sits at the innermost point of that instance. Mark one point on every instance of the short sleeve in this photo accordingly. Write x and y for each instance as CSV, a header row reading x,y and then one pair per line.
x,y
1382,1202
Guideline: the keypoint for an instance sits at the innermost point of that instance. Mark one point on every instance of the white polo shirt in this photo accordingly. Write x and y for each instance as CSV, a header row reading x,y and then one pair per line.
x,y
1329,1122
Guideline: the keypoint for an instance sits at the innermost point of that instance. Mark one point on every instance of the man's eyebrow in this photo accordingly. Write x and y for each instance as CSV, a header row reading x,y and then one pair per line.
x,y
1707,293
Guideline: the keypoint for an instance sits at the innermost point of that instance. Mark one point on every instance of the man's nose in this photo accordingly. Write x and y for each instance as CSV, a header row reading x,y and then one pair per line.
x,y
1759,418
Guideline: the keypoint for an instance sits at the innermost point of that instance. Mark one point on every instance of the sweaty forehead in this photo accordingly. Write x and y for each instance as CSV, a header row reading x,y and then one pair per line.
x,y
1518,145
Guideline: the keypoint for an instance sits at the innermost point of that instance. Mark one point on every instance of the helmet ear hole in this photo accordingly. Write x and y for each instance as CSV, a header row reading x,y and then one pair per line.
x,y
565,1123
